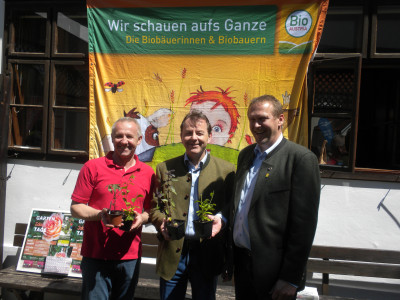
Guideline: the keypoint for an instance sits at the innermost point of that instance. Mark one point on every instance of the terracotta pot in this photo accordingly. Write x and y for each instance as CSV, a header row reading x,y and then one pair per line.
x,y
114,217
176,229
203,229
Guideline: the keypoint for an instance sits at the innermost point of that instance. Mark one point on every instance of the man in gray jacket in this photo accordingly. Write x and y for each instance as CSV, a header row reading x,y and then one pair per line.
x,y
275,208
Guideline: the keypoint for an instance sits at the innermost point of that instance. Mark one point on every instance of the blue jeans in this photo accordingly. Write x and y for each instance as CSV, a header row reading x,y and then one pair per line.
x,y
103,280
189,269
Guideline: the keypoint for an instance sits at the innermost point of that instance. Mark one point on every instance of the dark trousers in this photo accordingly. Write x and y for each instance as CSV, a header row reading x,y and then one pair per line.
x,y
109,280
243,275
189,269
244,278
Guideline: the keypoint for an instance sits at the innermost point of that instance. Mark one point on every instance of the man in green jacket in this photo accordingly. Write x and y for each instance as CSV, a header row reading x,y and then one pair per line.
x,y
197,175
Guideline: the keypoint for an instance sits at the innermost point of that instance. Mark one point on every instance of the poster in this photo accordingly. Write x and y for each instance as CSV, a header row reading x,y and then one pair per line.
x,y
53,234
157,60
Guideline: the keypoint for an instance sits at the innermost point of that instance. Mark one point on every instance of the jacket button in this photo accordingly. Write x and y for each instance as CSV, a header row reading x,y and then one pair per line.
x,y
178,249
184,214
186,196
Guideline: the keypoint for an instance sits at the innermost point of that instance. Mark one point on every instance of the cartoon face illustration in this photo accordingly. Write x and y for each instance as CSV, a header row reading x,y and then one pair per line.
x,y
219,119
220,110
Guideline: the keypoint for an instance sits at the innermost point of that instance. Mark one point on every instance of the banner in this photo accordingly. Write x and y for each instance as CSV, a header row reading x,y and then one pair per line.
x,y
157,60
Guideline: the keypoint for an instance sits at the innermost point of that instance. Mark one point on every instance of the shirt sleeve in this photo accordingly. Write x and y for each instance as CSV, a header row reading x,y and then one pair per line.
x,y
84,186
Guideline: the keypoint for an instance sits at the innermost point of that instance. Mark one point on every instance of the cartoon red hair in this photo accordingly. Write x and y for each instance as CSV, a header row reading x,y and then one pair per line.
x,y
220,98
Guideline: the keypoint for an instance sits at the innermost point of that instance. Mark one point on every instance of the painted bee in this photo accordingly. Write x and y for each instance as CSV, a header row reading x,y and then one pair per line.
x,y
114,87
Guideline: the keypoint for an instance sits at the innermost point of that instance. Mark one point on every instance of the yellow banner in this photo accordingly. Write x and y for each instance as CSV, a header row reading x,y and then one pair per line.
x,y
155,63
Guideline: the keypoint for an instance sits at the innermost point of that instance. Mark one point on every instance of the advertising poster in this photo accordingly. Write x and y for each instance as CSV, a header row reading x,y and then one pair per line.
x,y
157,60
52,244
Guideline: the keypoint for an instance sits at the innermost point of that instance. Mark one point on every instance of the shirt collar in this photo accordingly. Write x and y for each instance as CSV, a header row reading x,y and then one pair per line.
x,y
257,150
110,162
189,163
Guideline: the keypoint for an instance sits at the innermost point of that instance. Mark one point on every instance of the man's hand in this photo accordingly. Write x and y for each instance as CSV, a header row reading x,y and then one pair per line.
x,y
217,224
283,291
105,219
140,219
138,222
164,230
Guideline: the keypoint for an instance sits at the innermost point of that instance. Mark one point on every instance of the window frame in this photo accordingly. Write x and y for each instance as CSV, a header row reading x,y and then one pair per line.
x,y
54,42
332,62
50,58
44,106
374,31
53,106
12,8
344,10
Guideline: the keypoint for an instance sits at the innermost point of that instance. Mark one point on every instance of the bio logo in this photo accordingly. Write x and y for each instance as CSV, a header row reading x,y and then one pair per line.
x,y
298,23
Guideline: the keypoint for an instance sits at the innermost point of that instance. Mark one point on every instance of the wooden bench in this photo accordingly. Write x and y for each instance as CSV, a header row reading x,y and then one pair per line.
x,y
325,260
354,262
33,286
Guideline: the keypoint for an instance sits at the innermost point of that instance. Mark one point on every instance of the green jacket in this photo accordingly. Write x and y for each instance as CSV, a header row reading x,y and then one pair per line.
x,y
217,175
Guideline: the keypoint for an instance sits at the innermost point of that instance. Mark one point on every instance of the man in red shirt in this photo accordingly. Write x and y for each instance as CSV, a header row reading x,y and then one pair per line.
x,y
111,256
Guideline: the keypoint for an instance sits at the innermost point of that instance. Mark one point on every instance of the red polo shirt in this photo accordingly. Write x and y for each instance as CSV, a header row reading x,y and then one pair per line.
x,y
99,241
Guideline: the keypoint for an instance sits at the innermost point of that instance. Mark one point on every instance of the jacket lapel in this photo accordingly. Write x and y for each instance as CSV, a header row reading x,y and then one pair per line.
x,y
266,170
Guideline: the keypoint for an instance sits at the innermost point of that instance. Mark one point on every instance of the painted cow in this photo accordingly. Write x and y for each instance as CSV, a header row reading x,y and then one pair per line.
x,y
149,126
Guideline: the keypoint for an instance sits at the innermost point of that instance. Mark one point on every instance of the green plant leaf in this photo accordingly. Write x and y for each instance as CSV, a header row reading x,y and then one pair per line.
x,y
173,189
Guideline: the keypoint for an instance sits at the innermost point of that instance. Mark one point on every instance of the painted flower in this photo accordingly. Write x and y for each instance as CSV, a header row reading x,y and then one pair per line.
x,y
52,227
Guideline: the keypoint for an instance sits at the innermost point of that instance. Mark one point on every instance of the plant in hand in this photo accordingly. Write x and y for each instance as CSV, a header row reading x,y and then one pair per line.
x,y
122,189
165,204
206,207
203,226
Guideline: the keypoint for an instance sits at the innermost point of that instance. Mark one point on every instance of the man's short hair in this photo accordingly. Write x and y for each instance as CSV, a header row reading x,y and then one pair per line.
x,y
277,106
194,116
127,119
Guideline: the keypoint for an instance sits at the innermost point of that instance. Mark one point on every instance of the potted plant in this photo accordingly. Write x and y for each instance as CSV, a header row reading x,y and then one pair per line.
x,y
203,226
126,215
165,204
129,215
114,217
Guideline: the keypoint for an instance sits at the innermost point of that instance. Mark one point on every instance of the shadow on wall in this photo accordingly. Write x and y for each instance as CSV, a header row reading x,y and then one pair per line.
x,y
382,205
389,186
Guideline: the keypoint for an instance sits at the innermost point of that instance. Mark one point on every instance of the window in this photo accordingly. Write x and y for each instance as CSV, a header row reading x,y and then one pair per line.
x,y
47,60
378,141
333,117
354,90
385,35
344,31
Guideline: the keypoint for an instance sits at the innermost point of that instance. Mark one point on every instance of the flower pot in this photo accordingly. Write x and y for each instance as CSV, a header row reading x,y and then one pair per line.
x,y
176,229
114,217
127,224
203,229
